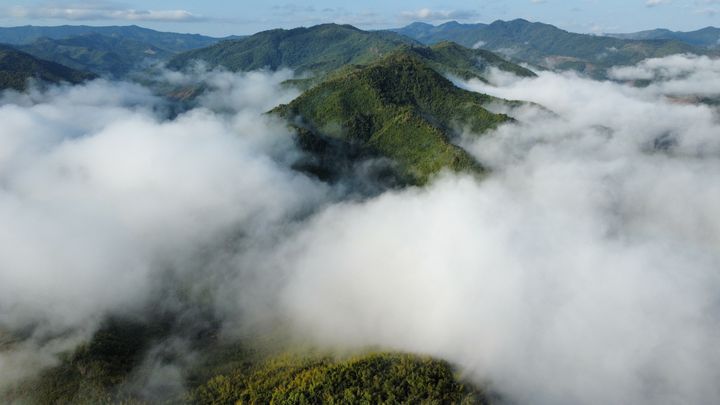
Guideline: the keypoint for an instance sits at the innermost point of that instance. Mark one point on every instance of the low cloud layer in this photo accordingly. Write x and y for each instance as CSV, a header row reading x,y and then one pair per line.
x,y
100,194
582,270
677,75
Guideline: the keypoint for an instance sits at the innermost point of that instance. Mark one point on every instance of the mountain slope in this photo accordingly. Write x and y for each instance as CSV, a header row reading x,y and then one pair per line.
x,y
398,108
17,67
167,41
707,37
450,58
546,45
96,53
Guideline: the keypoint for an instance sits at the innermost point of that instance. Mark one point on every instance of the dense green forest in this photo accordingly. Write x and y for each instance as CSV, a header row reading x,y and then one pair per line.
x,y
398,108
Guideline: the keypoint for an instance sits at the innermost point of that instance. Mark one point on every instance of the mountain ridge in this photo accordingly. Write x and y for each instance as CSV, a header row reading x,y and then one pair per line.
x,y
548,46
17,67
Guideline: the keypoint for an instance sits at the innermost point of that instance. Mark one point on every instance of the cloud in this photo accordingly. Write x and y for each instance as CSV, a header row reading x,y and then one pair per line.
x,y
101,195
655,3
426,14
99,12
583,269
677,75
587,260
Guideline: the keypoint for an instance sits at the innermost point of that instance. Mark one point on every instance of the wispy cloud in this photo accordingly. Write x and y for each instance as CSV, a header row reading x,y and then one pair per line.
x,y
98,12
426,14
655,3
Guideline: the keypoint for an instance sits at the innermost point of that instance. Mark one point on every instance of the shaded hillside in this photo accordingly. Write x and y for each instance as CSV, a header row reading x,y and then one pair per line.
x,y
96,53
451,58
167,41
17,67
706,37
398,108
546,45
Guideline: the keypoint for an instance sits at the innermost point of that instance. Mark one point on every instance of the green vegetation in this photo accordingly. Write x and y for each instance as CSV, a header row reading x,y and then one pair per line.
x,y
107,370
17,67
328,48
96,53
398,108
548,46
378,378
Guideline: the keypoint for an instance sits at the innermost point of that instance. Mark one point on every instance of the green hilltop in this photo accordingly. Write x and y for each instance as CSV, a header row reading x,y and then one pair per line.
x,y
399,108
255,369
17,67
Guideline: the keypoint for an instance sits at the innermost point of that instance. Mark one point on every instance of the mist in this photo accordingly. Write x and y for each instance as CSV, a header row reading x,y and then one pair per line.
x,y
101,195
582,269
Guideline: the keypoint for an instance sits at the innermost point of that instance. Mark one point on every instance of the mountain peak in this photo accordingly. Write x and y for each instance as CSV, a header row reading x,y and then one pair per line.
x,y
397,108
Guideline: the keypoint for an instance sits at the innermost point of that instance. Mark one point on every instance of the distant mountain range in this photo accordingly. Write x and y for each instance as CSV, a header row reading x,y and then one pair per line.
x,y
108,51
101,54
325,48
708,37
117,50
17,67
167,41
549,47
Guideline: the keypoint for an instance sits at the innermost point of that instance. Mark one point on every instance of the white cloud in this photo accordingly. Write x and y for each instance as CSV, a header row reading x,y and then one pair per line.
x,y
583,269
100,196
426,14
93,12
677,75
587,260
655,3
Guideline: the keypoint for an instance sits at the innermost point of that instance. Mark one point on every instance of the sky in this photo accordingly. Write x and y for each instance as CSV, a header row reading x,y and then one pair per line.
x,y
230,17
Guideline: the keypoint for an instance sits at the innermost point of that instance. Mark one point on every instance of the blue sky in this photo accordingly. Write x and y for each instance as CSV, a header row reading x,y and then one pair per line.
x,y
226,17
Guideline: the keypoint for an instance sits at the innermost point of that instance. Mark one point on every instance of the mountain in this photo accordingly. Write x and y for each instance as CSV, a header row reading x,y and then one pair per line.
x,y
708,37
96,53
321,48
167,41
547,46
16,67
398,108
325,48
